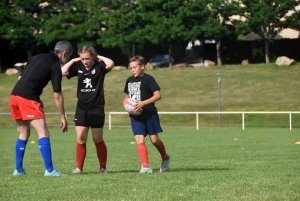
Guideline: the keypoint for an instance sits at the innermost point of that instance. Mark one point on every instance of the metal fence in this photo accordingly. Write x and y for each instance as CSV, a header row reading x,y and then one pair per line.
x,y
110,123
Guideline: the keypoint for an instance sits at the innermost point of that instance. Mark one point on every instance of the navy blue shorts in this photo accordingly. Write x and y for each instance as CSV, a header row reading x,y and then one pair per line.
x,y
145,124
89,118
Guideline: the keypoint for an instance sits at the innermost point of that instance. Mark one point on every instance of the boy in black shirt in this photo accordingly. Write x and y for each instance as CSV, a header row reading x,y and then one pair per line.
x,y
143,89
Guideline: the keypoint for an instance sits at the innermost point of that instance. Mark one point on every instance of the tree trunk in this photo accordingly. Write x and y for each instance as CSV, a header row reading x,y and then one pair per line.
x,y
126,49
170,56
29,53
30,49
218,47
133,49
267,44
75,47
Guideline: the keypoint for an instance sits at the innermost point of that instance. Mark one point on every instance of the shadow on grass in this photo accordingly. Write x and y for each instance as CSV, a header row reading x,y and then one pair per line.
x,y
194,169
183,169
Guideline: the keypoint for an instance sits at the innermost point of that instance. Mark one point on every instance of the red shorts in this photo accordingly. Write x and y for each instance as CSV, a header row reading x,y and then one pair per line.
x,y
25,109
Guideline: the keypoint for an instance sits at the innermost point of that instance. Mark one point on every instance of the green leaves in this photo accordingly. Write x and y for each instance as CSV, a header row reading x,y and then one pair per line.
x,y
122,23
268,18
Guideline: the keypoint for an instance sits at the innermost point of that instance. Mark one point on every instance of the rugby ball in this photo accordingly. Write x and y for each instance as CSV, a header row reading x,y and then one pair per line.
x,y
129,107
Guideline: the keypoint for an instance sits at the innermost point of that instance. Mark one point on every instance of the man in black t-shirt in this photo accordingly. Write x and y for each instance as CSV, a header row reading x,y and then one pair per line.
x,y
90,70
27,108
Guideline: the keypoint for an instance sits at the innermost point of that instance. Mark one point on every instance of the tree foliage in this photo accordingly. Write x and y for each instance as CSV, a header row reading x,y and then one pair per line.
x,y
267,18
139,22
217,23
124,23
121,24
163,22
72,20
23,23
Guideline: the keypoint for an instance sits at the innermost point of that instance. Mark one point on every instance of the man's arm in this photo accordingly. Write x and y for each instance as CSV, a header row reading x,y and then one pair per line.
x,y
66,67
59,101
108,62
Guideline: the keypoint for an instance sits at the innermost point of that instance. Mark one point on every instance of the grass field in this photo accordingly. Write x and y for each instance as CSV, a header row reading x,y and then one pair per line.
x,y
255,87
207,164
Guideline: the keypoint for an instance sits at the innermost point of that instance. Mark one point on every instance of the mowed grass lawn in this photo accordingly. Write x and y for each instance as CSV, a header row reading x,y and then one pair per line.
x,y
207,164
255,87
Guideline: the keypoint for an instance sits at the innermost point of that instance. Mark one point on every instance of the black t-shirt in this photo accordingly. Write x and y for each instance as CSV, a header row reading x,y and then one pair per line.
x,y
39,71
90,91
142,88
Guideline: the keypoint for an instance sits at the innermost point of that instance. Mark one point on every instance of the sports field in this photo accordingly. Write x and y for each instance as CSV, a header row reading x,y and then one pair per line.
x,y
255,87
208,164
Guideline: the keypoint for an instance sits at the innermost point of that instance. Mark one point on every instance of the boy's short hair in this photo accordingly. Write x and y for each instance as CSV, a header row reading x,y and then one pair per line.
x,y
139,59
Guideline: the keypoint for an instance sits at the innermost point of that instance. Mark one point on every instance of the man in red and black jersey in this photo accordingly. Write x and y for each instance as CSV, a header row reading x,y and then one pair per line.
x,y
90,105
27,108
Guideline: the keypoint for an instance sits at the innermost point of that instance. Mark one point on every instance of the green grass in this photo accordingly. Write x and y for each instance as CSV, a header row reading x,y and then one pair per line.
x,y
206,165
255,87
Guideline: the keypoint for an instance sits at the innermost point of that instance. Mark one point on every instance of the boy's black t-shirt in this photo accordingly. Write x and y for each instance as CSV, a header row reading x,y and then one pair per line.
x,y
90,91
39,70
142,88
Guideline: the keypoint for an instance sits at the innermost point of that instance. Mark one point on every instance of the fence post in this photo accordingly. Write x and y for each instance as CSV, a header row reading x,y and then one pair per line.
x,y
243,120
290,121
109,121
197,124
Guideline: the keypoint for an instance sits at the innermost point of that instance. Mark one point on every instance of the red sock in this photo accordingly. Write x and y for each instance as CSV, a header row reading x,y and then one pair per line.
x,y
101,153
80,155
161,149
142,150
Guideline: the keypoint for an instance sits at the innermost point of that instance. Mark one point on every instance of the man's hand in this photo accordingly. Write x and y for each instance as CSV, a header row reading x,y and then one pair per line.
x,y
64,125
59,101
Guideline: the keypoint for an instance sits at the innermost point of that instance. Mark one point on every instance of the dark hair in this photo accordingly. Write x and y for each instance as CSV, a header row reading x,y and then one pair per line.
x,y
139,59
63,46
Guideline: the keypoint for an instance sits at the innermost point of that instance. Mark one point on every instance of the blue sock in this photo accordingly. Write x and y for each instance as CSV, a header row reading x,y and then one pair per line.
x,y
45,149
20,151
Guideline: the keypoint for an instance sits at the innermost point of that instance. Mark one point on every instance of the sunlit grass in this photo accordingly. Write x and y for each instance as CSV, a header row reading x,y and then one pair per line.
x,y
208,164
256,87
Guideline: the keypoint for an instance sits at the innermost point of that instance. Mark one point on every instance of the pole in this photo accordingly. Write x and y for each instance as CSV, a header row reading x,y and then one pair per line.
x,y
219,95
133,49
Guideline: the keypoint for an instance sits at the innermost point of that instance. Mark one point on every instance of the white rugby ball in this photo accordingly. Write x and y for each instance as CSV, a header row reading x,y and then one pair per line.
x,y
129,107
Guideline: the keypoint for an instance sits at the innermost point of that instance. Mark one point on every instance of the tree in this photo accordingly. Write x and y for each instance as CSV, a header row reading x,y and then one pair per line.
x,y
217,21
72,20
31,23
23,24
163,24
121,25
293,18
3,17
267,18
139,22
